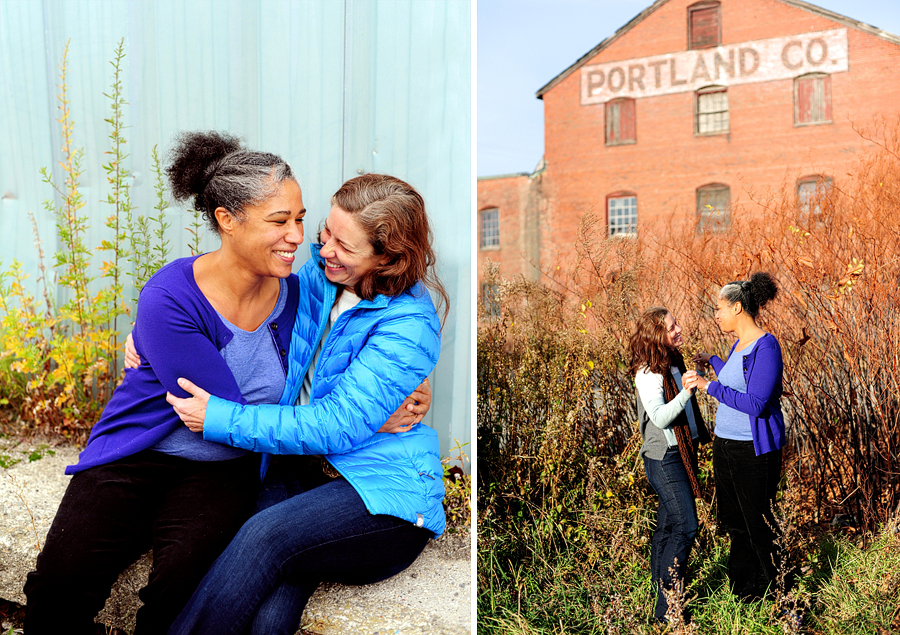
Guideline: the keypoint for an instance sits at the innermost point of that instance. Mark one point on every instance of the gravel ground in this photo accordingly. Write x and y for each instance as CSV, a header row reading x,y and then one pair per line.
x,y
432,597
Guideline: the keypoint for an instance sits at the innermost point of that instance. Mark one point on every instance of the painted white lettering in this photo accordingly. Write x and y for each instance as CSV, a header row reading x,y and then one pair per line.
x,y
673,74
616,86
786,55
748,68
656,65
636,76
720,64
700,70
732,64
823,51
595,82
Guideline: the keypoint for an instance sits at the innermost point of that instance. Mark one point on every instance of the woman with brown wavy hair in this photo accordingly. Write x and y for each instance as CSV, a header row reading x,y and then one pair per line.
x,y
671,426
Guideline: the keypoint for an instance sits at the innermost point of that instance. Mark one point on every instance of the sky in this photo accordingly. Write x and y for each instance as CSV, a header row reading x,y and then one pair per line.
x,y
523,44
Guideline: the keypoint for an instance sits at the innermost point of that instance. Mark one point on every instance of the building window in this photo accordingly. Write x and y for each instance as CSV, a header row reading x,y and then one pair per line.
x,y
713,207
490,228
622,215
811,194
490,299
620,122
812,99
712,110
704,29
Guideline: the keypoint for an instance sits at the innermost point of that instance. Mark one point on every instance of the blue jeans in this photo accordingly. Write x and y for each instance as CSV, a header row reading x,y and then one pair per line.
x,y
746,486
676,524
306,534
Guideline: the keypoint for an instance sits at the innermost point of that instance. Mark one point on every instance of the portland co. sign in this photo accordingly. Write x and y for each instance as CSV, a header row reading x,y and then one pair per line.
x,y
743,63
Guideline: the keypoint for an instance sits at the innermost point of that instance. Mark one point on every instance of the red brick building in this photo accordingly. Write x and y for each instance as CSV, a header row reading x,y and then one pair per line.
x,y
685,112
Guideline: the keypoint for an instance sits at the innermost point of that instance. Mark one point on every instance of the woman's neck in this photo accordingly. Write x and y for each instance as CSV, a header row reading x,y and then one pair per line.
x,y
243,298
747,332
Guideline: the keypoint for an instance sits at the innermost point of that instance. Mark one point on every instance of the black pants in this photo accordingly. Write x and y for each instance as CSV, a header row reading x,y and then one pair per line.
x,y
187,511
746,485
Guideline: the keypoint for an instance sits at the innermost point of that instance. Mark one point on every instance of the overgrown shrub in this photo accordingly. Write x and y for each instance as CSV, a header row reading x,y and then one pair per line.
x,y
557,421
59,361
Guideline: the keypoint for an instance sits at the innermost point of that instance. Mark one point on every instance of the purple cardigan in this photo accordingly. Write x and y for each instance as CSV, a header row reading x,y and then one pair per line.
x,y
763,368
177,334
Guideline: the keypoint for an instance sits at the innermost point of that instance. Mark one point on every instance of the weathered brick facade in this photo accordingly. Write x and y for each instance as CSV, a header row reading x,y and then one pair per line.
x,y
762,150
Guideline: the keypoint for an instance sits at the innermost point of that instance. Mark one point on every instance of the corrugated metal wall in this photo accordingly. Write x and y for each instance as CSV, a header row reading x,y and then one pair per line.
x,y
337,87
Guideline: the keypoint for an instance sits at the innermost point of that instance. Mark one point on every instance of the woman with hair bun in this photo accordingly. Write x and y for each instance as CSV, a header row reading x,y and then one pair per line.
x,y
671,427
224,320
750,433
366,335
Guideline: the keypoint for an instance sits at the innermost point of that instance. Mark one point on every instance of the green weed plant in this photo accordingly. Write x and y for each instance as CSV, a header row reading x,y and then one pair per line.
x,y
59,360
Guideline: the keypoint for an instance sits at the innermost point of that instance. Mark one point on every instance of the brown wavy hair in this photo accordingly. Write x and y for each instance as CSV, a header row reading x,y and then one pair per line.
x,y
392,214
647,346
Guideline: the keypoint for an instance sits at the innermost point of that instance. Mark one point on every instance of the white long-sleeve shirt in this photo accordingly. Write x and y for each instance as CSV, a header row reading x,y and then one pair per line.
x,y
661,414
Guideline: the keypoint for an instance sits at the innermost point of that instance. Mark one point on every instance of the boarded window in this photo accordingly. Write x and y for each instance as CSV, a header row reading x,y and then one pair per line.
x,y
812,99
703,25
620,122
490,228
812,191
622,215
713,207
712,110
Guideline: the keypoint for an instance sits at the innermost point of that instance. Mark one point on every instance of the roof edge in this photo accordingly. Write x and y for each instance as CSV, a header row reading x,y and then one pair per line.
x,y
502,176
612,38
800,4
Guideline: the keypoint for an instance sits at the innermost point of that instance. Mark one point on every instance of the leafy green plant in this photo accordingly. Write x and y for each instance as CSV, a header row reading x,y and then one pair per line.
x,y
60,360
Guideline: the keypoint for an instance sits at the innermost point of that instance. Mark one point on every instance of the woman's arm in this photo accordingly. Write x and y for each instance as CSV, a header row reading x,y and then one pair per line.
x,y
764,381
398,354
171,341
650,391
411,411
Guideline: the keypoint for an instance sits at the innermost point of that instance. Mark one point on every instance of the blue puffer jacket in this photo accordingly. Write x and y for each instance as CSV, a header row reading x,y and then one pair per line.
x,y
376,354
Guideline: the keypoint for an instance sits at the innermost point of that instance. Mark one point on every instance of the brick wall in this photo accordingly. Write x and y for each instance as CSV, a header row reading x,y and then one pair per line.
x,y
519,199
763,151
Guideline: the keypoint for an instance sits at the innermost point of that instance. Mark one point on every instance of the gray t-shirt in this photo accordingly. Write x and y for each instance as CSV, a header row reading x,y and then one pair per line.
x,y
256,366
730,423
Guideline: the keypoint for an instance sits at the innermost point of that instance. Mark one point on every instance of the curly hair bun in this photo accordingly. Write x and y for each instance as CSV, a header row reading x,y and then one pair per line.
x,y
763,287
192,158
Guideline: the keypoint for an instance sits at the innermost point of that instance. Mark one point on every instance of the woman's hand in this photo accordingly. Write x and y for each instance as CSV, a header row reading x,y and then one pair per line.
x,y
691,379
191,410
132,359
410,411
701,358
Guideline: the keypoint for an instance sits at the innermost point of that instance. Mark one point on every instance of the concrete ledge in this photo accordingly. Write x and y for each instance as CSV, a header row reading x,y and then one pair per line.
x,y
432,597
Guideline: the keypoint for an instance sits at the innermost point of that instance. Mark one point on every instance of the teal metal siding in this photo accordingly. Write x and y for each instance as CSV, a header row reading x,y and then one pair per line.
x,y
337,88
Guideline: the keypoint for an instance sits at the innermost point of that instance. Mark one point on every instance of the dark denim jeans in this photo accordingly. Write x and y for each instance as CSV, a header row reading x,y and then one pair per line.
x,y
302,537
187,511
746,485
676,524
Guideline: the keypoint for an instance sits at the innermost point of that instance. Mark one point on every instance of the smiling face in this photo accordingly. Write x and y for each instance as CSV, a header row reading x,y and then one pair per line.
x,y
726,314
673,332
347,251
266,239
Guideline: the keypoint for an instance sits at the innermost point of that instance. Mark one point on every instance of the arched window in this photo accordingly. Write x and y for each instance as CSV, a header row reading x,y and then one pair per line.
x,y
812,99
704,25
713,207
621,214
711,110
621,123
